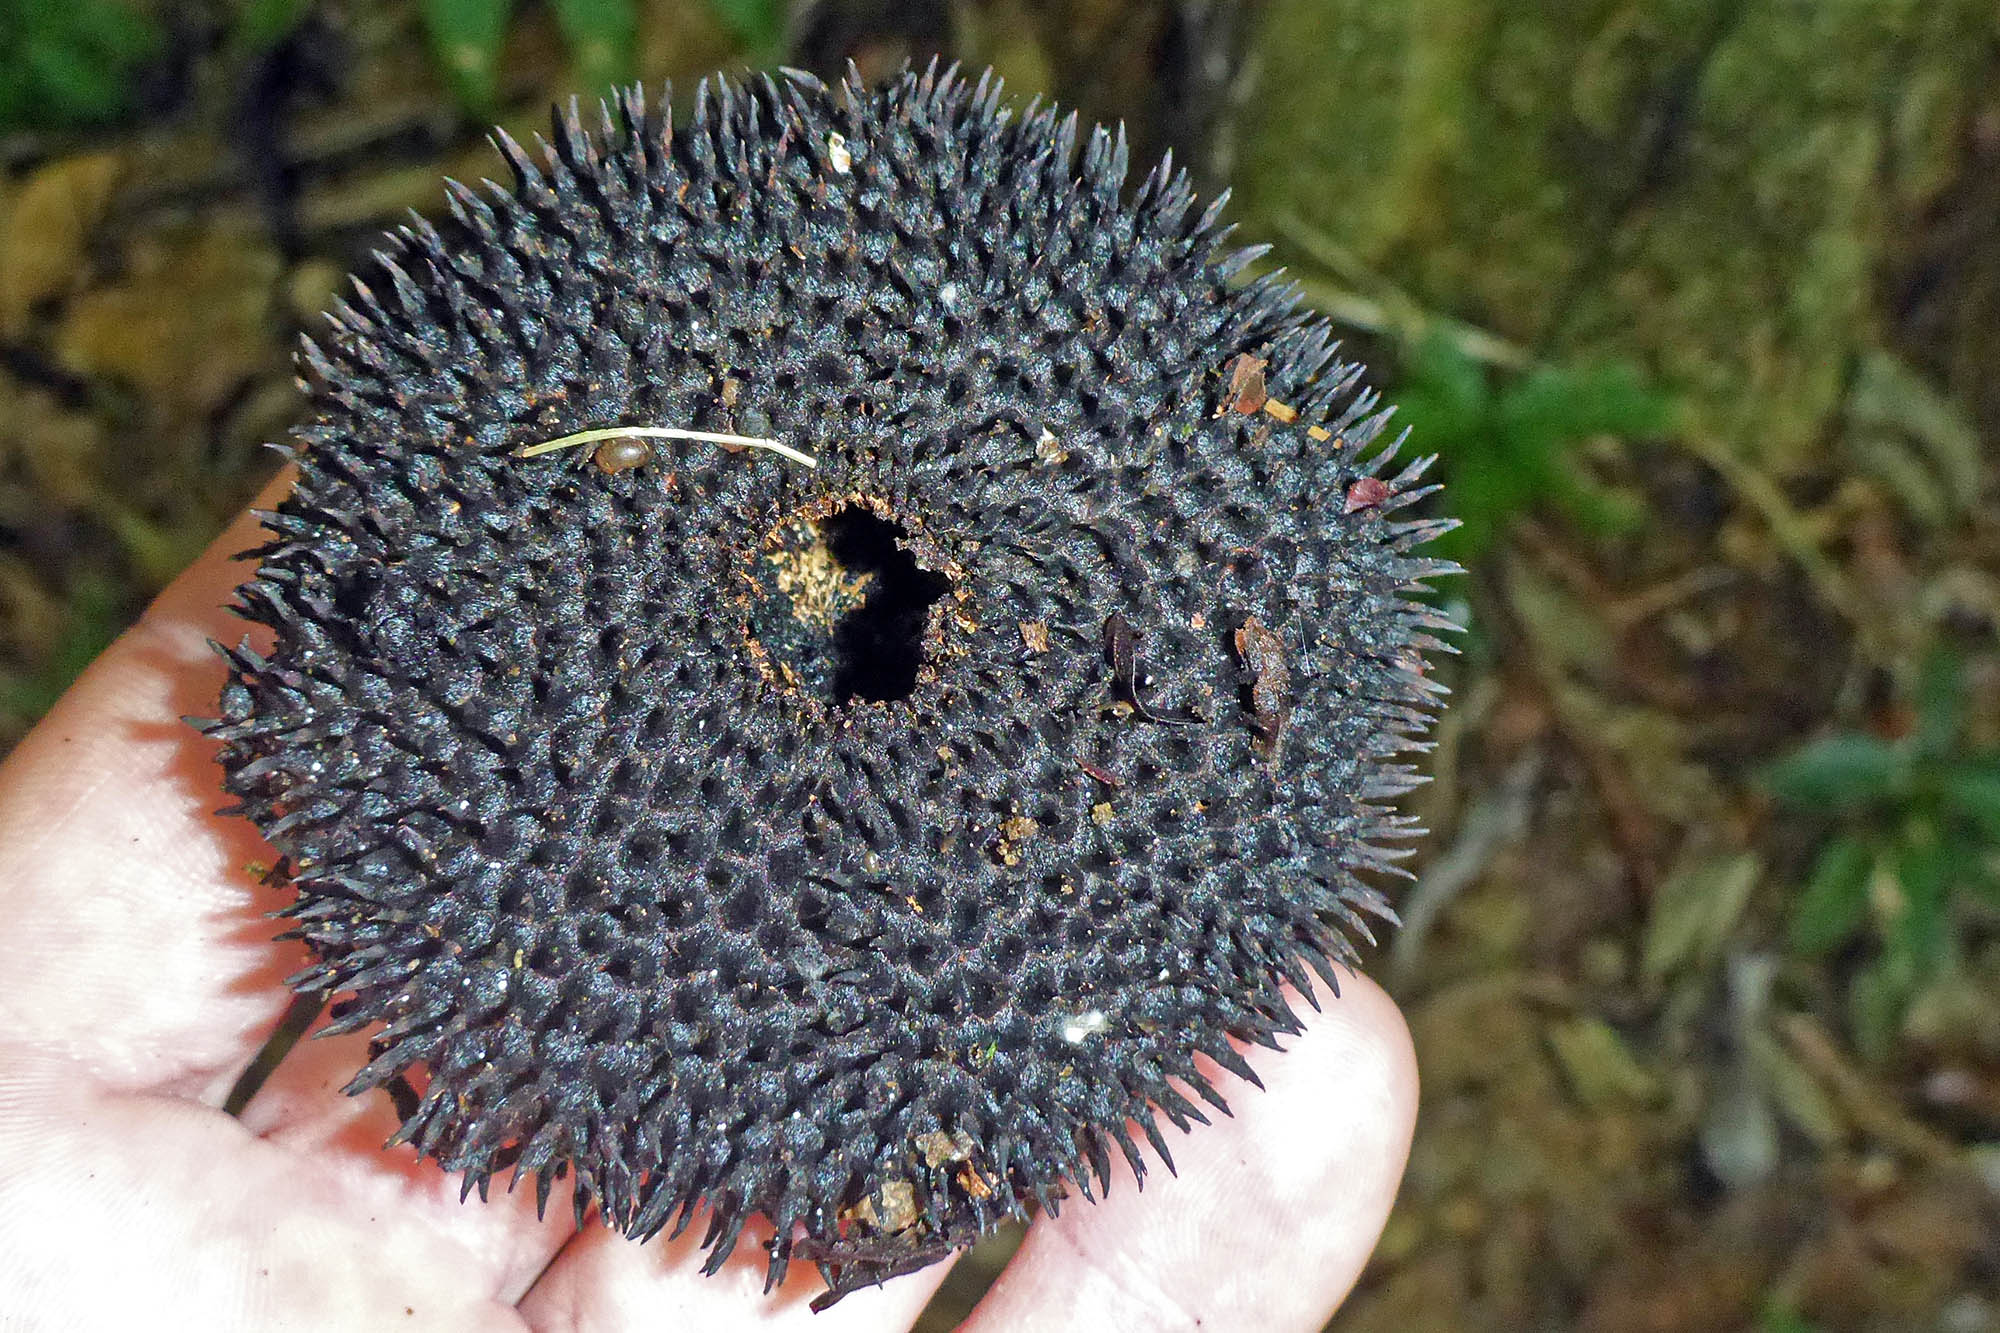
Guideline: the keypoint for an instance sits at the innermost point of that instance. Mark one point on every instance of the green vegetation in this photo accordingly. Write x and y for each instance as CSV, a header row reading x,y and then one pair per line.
x,y
468,38
71,62
97,609
1918,835
66,64
1513,445
759,25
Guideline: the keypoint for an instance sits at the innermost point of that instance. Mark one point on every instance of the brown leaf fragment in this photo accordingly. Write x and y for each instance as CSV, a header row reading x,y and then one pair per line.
x,y
1246,384
1108,779
1035,634
1121,647
1270,681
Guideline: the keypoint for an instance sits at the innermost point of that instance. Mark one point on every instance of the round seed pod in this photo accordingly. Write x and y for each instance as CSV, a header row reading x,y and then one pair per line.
x,y
868,831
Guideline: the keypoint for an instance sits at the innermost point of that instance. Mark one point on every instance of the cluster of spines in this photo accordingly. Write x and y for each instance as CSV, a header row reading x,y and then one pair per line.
x,y
387,339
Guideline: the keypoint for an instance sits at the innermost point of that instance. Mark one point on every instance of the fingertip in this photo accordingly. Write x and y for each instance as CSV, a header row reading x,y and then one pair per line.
x,y
1273,1212
1357,1047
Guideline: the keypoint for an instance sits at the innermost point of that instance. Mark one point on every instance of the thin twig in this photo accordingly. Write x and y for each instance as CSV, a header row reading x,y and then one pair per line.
x,y
666,433
1872,1111
1371,303
300,1011
1496,820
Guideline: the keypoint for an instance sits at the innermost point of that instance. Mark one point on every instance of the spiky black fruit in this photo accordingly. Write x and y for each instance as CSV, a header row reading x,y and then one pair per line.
x,y
866,845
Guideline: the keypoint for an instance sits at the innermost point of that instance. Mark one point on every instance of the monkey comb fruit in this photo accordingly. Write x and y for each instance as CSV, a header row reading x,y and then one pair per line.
x,y
868,829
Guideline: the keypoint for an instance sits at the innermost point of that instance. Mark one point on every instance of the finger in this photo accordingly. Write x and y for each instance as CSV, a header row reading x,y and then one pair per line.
x,y
1274,1211
603,1283
140,1211
139,952
338,1141
136,943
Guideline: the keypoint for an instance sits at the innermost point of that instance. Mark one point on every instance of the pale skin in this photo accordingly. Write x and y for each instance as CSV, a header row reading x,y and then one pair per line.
x,y
138,978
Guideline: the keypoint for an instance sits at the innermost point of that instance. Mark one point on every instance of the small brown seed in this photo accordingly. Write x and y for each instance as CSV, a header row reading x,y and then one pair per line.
x,y
1366,493
622,455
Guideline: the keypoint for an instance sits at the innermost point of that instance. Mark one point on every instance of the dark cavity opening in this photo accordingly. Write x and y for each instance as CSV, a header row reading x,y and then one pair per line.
x,y
878,646
841,607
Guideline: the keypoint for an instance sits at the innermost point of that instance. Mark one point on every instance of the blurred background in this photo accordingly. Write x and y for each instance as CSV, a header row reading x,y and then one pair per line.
x,y
1699,300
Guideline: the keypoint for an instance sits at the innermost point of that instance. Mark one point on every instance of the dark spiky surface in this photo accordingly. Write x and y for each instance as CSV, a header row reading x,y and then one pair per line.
x,y
641,887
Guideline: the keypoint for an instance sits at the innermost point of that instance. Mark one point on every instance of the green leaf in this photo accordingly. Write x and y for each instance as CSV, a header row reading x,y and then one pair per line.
x,y
1436,420
262,24
69,62
78,86
115,31
1594,508
1695,911
1445,403
97,613
466,37
1835,899
759,25
1970,864
1508,448
1890,403
1875,1004
1441,370
603,37
1918,933
1562,404
1940,703
1836,773
1783,1319
1982,880
1972,790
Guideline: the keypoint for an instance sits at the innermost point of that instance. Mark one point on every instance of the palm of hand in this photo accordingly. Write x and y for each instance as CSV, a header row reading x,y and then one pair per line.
x,y
138,978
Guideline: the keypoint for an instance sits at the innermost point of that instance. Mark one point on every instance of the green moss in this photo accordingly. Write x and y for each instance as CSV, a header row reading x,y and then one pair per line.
x,y
1713,194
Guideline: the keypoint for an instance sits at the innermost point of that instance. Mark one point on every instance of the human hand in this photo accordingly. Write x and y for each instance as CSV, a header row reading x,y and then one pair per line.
x,y
138,978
